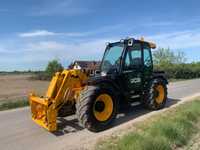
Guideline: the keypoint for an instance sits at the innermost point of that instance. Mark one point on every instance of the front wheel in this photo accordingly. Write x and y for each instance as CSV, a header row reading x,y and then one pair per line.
x,y
155,95
96,108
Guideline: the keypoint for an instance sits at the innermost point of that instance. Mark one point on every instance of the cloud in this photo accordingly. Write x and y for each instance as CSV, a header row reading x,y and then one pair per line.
x,y
45,46
67,50
37,33
42,33
36,54
177,40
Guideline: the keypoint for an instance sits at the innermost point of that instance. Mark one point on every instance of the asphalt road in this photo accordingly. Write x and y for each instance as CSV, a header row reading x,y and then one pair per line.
x,y
18,132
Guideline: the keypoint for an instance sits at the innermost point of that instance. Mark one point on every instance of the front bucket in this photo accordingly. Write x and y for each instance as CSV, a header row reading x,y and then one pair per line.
x,y
43,113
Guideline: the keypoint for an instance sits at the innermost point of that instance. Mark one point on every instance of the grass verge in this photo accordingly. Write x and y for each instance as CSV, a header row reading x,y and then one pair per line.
x,y
167,131
13,104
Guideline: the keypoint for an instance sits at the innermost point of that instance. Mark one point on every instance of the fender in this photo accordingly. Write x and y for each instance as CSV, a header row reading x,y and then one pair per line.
x,y
160,74
103,81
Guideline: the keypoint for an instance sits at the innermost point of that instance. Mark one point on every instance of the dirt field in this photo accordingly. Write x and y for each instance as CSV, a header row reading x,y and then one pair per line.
x,y
16,87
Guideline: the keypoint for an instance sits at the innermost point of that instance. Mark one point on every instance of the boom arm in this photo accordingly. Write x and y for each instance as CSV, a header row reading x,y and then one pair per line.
x,y
64,87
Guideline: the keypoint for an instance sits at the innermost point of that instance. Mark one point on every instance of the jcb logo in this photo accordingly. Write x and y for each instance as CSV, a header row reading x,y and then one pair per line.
x,y
135,80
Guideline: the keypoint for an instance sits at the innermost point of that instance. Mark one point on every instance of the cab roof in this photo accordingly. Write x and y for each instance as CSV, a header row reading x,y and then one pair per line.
x,y
127,40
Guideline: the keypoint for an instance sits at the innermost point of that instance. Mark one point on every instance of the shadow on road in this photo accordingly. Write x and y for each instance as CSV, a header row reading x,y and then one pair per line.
x,y
70,124
67,125
132,112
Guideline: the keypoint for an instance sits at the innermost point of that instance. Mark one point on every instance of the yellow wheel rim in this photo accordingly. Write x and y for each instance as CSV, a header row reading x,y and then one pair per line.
x,y
103,107
161,94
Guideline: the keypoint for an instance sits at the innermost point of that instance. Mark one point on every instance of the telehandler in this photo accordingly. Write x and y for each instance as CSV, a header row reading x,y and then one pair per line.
x,y
126,73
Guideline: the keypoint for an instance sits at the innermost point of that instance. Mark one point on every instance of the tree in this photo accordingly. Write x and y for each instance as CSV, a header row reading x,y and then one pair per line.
x,y
180,58
163,57
53,67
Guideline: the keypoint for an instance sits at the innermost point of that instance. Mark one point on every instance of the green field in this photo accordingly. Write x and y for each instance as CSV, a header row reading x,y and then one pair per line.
x,y
5,105
168,131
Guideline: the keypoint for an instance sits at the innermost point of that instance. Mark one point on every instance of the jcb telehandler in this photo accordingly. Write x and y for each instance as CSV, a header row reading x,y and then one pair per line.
x,y
126,72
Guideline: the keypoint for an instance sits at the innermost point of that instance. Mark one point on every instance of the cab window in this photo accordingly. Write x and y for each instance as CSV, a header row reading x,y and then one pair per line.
x,y
133,57
147,57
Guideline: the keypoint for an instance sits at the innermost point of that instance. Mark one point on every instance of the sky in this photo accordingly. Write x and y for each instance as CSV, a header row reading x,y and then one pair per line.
x,y
33,32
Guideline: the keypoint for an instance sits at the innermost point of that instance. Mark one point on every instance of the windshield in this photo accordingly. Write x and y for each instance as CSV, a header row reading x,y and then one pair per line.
x,y
111,60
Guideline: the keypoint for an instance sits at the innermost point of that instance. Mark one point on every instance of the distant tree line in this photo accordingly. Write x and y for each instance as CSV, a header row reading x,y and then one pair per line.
x,y
174,64
16,72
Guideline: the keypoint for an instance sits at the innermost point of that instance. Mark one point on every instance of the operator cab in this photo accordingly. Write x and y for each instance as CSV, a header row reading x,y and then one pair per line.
x,y
132,50
130,61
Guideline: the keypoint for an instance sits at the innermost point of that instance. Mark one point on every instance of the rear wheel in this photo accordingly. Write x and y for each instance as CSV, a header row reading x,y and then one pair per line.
x,y
155,96
96,108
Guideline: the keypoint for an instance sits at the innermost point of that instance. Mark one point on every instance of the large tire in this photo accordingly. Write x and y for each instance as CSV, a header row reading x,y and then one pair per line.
x,y
155,95
90,110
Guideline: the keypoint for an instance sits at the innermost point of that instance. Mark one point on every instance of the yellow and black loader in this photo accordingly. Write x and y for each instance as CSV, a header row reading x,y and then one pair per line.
x,y
126,75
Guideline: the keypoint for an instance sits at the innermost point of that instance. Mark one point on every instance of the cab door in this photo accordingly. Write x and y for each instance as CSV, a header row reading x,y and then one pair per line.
x,y
148,63
132,69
